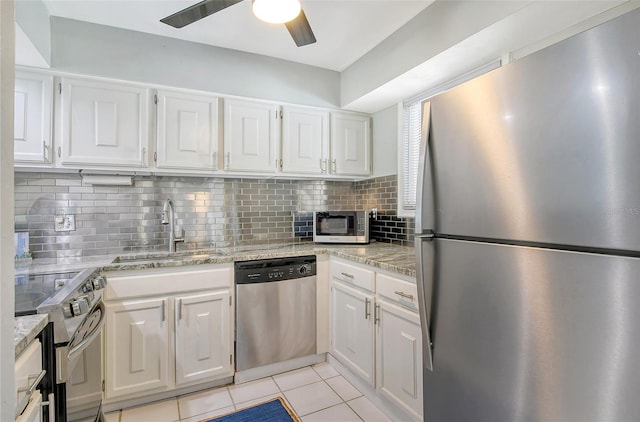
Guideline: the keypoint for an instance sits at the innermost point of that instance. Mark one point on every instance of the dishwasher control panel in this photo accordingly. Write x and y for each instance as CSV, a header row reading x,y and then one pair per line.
x,y
276,269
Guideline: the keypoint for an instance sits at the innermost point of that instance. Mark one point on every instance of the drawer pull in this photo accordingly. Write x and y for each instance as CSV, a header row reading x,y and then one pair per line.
x,y
366,308
347,275
404,295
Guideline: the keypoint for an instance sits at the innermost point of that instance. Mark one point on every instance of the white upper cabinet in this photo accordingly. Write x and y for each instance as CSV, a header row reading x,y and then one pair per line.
x,y
250,133
350,144
103,124
187,131
305,140
32,118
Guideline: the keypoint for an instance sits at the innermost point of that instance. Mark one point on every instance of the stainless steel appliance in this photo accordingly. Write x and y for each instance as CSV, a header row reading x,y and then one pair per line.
x,y
528,236
275,315
73,301
341,226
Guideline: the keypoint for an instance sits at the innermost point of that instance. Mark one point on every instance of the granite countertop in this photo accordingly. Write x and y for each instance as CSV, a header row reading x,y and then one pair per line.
x,y
386,256
393,258
26,328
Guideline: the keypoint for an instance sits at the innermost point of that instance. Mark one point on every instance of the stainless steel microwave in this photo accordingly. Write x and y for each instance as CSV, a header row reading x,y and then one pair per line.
x,y
341,226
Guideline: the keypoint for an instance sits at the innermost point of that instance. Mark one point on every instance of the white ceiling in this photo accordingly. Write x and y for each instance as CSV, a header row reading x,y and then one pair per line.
x,y
345,29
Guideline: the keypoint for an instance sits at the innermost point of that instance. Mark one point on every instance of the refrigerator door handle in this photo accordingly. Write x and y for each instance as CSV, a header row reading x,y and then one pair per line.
x,y
425,251
425,199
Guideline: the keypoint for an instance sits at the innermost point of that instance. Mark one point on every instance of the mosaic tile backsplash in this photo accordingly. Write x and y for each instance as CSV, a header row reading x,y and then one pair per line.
x,y
214,212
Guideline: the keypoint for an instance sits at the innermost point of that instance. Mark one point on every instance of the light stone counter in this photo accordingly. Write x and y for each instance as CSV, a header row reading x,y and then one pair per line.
x,y
393,258
26,328
385,256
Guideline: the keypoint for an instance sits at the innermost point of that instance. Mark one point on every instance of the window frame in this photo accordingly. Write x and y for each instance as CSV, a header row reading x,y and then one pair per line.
x,y
402,210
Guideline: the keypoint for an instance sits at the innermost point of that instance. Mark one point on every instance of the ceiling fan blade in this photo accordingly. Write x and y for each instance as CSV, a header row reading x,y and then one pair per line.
x,y
300,30
197,12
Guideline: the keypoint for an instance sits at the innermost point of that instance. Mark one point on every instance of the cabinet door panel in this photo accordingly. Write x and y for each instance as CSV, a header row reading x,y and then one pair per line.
x,y
203,337
137,337
249,136
352,330
187,131
399,357
350,144
32,117
305,140
103,124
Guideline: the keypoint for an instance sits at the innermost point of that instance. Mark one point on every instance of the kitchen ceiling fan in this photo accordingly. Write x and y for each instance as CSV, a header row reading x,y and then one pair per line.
x,y
267,10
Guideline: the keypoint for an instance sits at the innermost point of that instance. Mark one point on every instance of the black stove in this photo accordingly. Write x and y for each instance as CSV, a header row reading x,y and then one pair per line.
x,y
31,290
73,302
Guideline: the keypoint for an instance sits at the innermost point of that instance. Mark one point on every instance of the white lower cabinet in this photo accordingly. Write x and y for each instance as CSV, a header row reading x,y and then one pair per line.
x,y
33,411
137,355
202,337
398,356
375,333
161,343
28,366
352,330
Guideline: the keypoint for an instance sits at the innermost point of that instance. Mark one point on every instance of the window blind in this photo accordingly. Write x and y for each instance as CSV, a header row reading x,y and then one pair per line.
x,y
412,134
413,128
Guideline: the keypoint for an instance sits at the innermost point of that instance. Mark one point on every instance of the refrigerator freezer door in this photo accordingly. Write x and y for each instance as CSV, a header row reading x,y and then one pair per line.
x,y
425,212
546,149
527,334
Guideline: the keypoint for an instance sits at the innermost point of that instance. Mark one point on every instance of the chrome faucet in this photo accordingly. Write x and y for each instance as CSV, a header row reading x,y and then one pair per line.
x,y
168,217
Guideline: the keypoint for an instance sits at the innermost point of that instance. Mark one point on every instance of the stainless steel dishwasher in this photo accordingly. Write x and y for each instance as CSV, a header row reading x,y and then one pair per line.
x,y
275,315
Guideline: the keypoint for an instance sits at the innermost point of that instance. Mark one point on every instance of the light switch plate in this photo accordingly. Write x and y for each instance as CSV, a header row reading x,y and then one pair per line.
x,y
64,223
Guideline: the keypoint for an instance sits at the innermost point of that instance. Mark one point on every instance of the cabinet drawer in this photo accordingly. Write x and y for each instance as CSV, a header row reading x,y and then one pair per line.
x,y
353,275
28,367
397,290
33,411
145,283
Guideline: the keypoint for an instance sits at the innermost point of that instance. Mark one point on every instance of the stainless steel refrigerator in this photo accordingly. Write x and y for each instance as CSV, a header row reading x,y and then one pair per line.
x,y
528,237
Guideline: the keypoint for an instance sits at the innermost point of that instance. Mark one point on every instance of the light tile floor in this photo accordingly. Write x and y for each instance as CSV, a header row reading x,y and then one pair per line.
x,y
316,393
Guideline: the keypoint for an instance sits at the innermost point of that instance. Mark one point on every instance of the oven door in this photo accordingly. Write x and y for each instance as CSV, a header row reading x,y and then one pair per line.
x,y
82,369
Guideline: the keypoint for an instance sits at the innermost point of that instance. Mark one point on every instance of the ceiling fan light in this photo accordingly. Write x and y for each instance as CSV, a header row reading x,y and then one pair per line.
x,y
276,11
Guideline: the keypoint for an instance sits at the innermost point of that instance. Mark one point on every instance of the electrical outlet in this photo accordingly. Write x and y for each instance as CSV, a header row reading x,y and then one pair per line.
x,y
64,223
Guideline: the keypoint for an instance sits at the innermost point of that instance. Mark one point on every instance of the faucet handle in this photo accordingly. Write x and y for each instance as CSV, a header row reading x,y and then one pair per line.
x,y
180,237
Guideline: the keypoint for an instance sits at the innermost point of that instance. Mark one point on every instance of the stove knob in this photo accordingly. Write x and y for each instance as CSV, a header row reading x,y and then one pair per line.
x,y
66,310
99,282
80,306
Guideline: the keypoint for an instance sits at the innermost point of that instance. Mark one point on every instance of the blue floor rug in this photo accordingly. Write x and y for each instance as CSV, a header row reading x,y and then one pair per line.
x,y
275,410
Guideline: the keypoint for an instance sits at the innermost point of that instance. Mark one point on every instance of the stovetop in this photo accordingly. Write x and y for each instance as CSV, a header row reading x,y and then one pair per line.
x,y
67,297
31,290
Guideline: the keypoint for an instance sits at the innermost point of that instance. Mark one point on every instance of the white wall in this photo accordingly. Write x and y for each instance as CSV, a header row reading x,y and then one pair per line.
x,y
434,30
7,78
86,48
33,18
385,142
